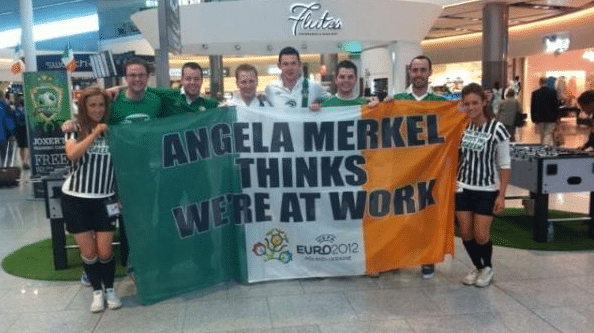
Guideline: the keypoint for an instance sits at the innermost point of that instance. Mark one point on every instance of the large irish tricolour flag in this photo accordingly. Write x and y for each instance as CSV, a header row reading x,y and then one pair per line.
x,y
263,194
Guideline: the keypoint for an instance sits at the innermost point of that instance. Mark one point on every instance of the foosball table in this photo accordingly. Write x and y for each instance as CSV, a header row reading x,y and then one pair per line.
x,y
543,170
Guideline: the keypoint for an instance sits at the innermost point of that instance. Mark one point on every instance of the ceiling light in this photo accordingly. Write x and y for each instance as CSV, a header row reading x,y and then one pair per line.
x,y
51,30
589,55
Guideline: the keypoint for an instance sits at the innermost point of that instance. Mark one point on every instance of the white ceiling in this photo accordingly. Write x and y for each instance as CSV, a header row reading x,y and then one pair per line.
x,y
467,18
454,20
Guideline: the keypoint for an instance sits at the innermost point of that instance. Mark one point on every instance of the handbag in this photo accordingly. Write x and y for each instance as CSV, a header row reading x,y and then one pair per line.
x,y
520,120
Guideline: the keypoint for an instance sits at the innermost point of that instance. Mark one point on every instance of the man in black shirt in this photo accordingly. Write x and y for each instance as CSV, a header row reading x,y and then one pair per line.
x,y
544,110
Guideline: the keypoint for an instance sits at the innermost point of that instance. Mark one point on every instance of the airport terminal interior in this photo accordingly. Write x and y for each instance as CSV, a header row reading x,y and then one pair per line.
x,y
532,291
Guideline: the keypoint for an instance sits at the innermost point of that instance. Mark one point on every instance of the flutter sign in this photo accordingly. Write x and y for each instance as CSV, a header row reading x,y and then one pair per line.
x,y
308,21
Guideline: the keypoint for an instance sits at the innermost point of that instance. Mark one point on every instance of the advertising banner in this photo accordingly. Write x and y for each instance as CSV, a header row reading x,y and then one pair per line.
x,y
47,105
267,194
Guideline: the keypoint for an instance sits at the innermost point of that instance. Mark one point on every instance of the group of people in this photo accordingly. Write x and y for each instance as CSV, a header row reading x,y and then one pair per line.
x,y
546,104
88,204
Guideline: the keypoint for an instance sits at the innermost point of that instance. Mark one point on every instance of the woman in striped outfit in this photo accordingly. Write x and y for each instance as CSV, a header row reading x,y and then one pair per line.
x,y
483,175
88,196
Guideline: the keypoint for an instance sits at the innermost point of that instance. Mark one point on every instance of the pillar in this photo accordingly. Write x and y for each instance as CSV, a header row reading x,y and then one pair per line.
x,y
330,61
216,76
27,42
400,54
162,67
495,40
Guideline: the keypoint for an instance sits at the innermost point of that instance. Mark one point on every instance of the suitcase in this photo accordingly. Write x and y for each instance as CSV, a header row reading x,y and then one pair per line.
x,y
9,174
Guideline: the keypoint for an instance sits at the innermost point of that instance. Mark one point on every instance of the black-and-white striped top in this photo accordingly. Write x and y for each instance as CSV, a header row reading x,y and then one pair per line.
x,y
91,176
484,149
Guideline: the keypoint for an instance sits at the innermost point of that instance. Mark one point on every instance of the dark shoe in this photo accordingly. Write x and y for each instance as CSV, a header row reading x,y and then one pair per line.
x,y
428,271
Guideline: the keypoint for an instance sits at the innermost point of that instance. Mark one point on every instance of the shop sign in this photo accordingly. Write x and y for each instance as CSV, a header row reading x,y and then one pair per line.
x,y
556,43
309,20
53,62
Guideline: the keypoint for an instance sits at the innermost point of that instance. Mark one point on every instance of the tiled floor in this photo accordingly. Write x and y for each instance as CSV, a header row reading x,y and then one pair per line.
x,y
533,292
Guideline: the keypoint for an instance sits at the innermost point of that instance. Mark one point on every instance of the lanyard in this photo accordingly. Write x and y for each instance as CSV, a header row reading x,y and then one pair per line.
x,y
305,93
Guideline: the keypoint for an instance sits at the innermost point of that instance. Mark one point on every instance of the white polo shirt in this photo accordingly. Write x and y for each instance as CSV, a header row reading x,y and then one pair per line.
x,y
280,96
255,102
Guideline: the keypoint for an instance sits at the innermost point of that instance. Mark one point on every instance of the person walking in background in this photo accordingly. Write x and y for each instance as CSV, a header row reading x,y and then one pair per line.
x,y
482,177
20,120
509,109
544,109
497,93
7,127
90,212
586,103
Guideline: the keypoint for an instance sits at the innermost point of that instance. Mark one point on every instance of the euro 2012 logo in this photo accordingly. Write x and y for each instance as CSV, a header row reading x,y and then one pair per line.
x,y
274,247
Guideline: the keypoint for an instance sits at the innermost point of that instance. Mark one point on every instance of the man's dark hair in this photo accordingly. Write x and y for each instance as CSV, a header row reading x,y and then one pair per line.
x,y
245,68
422,57
191,65
136,61
586,98
288,51
346,64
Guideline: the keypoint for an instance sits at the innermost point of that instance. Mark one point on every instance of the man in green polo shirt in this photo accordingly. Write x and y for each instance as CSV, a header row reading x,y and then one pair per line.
x,y
134,102
186,99
346,78
419,72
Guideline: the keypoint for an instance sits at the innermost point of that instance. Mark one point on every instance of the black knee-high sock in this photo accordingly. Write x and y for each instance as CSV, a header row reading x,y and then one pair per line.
x,y
92,268
473,252
107,272
486,253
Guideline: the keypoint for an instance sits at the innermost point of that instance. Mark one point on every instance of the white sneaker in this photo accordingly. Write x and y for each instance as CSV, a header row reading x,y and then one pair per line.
x,y
84,280
470,279
113,302
98,301
484,278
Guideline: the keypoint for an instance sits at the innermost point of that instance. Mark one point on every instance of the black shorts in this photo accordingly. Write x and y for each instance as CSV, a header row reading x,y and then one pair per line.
x,y
84,214
479,202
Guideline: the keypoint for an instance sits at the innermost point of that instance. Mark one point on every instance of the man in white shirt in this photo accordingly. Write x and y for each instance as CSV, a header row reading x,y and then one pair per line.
x,y
292,89
246,78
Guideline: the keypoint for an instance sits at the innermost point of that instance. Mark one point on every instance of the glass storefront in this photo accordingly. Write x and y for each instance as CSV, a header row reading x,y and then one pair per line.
x,y
574,71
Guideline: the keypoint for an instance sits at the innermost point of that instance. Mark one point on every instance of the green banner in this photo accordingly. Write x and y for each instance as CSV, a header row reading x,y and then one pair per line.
x,y
176,184
47,105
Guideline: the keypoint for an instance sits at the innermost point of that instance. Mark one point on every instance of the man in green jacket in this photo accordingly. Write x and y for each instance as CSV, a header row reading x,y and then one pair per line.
x,y
186,99
134,102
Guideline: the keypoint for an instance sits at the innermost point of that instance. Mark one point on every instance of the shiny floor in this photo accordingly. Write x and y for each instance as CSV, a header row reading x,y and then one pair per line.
x,y
532,292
